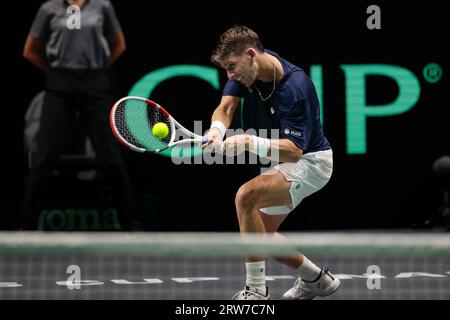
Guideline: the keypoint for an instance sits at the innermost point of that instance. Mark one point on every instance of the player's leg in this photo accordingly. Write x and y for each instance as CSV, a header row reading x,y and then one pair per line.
x,y
273,216
267,191
307,176
309,273
272,224
262,191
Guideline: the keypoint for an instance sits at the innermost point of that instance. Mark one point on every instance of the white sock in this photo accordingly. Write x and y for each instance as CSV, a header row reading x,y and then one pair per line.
x,y
256,276
308,271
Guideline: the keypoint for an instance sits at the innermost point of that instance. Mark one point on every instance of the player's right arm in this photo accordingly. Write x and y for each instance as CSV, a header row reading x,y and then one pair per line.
x,y
221,120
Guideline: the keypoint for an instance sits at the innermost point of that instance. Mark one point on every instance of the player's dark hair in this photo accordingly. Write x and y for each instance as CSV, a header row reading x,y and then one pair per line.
x,y
235,40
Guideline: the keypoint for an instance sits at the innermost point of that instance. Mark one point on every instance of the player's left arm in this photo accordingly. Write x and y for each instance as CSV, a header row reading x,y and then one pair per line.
x,y
284,150
281,150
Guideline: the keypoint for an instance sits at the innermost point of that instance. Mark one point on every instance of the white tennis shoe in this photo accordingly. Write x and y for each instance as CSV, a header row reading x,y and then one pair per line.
x,y
325,285
248,294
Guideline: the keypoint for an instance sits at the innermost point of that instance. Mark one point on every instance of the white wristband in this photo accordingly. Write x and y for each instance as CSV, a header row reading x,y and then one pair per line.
x,y
219,125
260,146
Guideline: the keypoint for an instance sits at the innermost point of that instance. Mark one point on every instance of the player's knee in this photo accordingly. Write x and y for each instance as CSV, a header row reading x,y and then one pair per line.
x,y
247,197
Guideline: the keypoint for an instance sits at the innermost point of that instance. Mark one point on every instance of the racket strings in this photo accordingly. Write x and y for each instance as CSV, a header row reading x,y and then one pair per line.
x,y
134,120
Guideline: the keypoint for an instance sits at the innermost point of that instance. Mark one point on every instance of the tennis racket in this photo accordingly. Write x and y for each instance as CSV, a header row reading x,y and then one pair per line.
x,y
132,120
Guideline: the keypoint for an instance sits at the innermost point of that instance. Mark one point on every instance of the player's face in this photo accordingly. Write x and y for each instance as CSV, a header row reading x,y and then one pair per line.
x,y
240,68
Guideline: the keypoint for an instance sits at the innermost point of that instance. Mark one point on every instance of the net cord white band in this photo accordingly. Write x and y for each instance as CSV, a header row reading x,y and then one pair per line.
x,y
226,244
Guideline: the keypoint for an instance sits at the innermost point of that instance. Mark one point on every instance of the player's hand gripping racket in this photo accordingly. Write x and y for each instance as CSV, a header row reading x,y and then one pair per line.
x,y
133,118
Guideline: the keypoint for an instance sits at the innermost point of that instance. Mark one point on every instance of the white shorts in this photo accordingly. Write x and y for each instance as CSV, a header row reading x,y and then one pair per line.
x,y
310,174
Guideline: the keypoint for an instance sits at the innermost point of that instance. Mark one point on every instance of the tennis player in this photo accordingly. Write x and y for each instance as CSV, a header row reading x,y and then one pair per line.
x,y
286,94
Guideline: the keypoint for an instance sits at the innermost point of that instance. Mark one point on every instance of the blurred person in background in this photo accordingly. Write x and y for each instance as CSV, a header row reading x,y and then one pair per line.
x,y
75,59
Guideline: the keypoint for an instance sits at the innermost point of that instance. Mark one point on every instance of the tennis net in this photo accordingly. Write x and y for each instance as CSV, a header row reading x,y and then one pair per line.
x,y
210,266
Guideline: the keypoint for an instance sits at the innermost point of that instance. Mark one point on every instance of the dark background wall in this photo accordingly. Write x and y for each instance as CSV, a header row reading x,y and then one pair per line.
x,y
392,185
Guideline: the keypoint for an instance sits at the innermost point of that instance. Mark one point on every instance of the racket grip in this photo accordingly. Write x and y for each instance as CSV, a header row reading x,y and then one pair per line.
x,y
204,140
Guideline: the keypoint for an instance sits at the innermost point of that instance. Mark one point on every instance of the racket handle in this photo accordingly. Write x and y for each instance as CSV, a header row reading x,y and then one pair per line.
x,y
204,140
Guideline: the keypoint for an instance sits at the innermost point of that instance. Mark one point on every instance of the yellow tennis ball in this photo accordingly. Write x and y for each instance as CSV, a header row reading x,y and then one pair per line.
x,y
160,130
